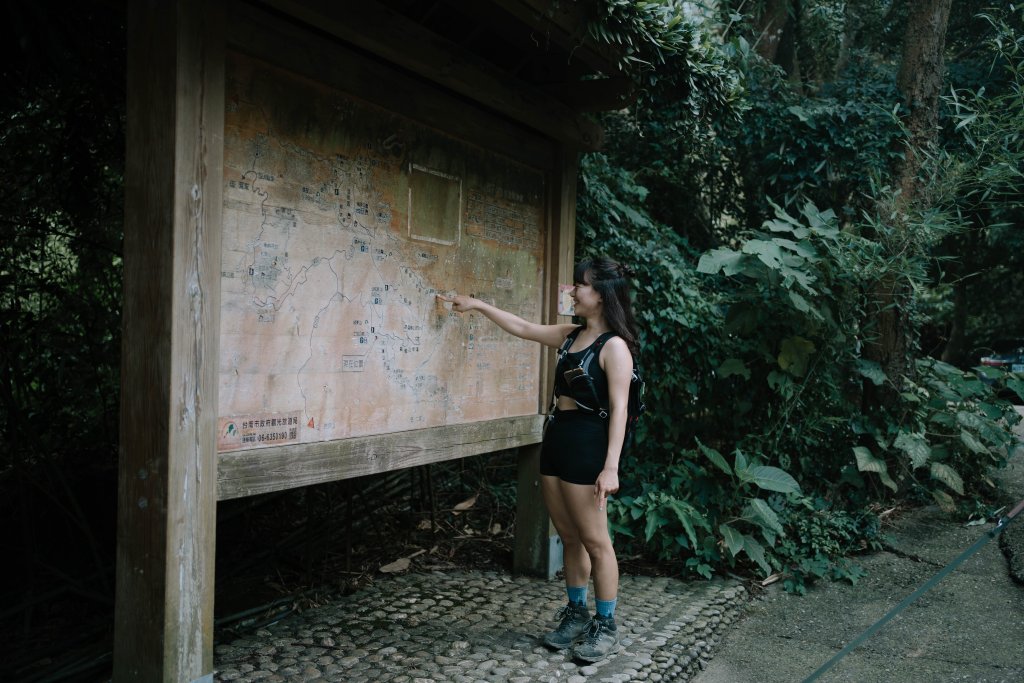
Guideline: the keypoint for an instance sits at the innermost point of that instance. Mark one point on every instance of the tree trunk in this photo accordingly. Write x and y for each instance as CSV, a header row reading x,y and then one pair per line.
x,y
768,28
851,31
954,350
966,247
920,81
788,54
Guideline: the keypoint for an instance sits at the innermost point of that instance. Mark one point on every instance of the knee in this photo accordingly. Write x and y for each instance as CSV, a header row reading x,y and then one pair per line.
x,y
598,546
571,541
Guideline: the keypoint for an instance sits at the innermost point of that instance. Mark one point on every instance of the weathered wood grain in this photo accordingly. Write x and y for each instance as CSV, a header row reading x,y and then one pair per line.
x,y
393,37
167,497
258,34
532,553
261,470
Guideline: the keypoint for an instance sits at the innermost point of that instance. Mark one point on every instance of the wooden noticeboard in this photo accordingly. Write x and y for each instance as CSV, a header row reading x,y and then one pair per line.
x,y
293,203
342,221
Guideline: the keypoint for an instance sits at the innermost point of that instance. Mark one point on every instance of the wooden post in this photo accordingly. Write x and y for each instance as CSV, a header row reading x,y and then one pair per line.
x,y
538,550
167,494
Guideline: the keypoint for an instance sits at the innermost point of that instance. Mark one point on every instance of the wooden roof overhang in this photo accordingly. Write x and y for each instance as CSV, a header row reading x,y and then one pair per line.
x,y
526,60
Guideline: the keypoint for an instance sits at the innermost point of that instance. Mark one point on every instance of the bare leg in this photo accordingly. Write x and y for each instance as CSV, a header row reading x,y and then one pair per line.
x,y
590,526
588,548
577,561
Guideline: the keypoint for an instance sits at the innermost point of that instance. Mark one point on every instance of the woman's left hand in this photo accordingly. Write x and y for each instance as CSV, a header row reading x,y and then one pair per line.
x,y
607,483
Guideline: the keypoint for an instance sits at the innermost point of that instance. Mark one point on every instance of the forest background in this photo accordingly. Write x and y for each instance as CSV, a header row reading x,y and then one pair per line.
x,y
824,203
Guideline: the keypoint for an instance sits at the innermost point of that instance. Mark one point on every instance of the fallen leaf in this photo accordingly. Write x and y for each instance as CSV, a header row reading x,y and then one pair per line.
x,y
496,529
424,525
399,565
466,504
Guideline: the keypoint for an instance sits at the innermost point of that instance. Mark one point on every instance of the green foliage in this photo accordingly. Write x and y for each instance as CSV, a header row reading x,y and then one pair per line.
x,y
956,431
825,147
705,513
820,540
755,340
667,55
673,306
782,147
60,278
758,350
979,177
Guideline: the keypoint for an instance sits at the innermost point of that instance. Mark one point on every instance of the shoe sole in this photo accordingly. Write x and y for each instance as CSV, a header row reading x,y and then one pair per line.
x,y
592,660
556,646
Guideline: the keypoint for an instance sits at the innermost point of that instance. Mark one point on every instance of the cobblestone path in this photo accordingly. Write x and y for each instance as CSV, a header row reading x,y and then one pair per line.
x,y
465,627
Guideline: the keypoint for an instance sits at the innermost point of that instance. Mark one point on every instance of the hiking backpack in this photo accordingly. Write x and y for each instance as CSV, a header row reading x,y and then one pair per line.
x,y
635,406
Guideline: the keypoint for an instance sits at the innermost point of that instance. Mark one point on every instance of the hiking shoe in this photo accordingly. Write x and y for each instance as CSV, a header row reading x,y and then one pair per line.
x,y
601,639
575,620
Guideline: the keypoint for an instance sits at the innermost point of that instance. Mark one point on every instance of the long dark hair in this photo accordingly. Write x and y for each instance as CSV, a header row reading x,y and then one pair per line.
x,y
610,279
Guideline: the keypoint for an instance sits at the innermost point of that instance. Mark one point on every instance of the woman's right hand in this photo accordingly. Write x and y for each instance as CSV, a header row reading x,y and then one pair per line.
x,y
549,335
460,302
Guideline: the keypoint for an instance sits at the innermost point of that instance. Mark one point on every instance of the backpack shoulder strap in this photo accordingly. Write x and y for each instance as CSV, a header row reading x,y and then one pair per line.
x,y
595,349
562,350
569,339
599,342
592,353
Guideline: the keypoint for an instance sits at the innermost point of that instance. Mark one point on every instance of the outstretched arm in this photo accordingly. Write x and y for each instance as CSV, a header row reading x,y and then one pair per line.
x,y
550,335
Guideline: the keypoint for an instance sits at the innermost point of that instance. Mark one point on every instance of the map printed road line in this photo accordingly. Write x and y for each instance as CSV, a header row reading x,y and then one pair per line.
x,y
341,223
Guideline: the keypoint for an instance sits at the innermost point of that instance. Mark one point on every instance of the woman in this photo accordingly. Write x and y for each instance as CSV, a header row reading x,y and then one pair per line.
x,y
580,454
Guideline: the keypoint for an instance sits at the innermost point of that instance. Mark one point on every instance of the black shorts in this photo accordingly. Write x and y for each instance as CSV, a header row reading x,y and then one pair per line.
x,y
575,446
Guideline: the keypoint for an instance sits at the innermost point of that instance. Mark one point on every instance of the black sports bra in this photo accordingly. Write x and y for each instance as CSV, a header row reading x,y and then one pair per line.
x,y
573,359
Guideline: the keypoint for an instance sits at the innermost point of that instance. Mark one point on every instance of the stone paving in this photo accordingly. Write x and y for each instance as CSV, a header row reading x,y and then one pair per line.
x,y
465,627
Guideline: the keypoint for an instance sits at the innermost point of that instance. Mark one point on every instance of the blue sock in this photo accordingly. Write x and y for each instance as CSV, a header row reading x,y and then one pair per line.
x,y
606,608
577,594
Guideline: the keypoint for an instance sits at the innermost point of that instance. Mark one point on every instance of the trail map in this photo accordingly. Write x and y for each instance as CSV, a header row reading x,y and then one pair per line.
x,y
342,221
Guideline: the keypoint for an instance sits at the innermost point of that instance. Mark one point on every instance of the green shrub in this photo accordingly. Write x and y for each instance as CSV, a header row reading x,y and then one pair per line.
x,y
757,351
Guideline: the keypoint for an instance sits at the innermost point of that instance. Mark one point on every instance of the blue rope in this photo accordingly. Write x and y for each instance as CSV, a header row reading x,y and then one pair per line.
x,y
942,573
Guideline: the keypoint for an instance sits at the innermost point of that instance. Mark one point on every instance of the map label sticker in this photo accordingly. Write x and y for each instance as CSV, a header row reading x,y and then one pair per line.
x,y
261,429
353,363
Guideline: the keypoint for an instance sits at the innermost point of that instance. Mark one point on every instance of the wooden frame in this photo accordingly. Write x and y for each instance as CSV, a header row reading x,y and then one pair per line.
x,y
537,546
247,473
163,627
171,475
